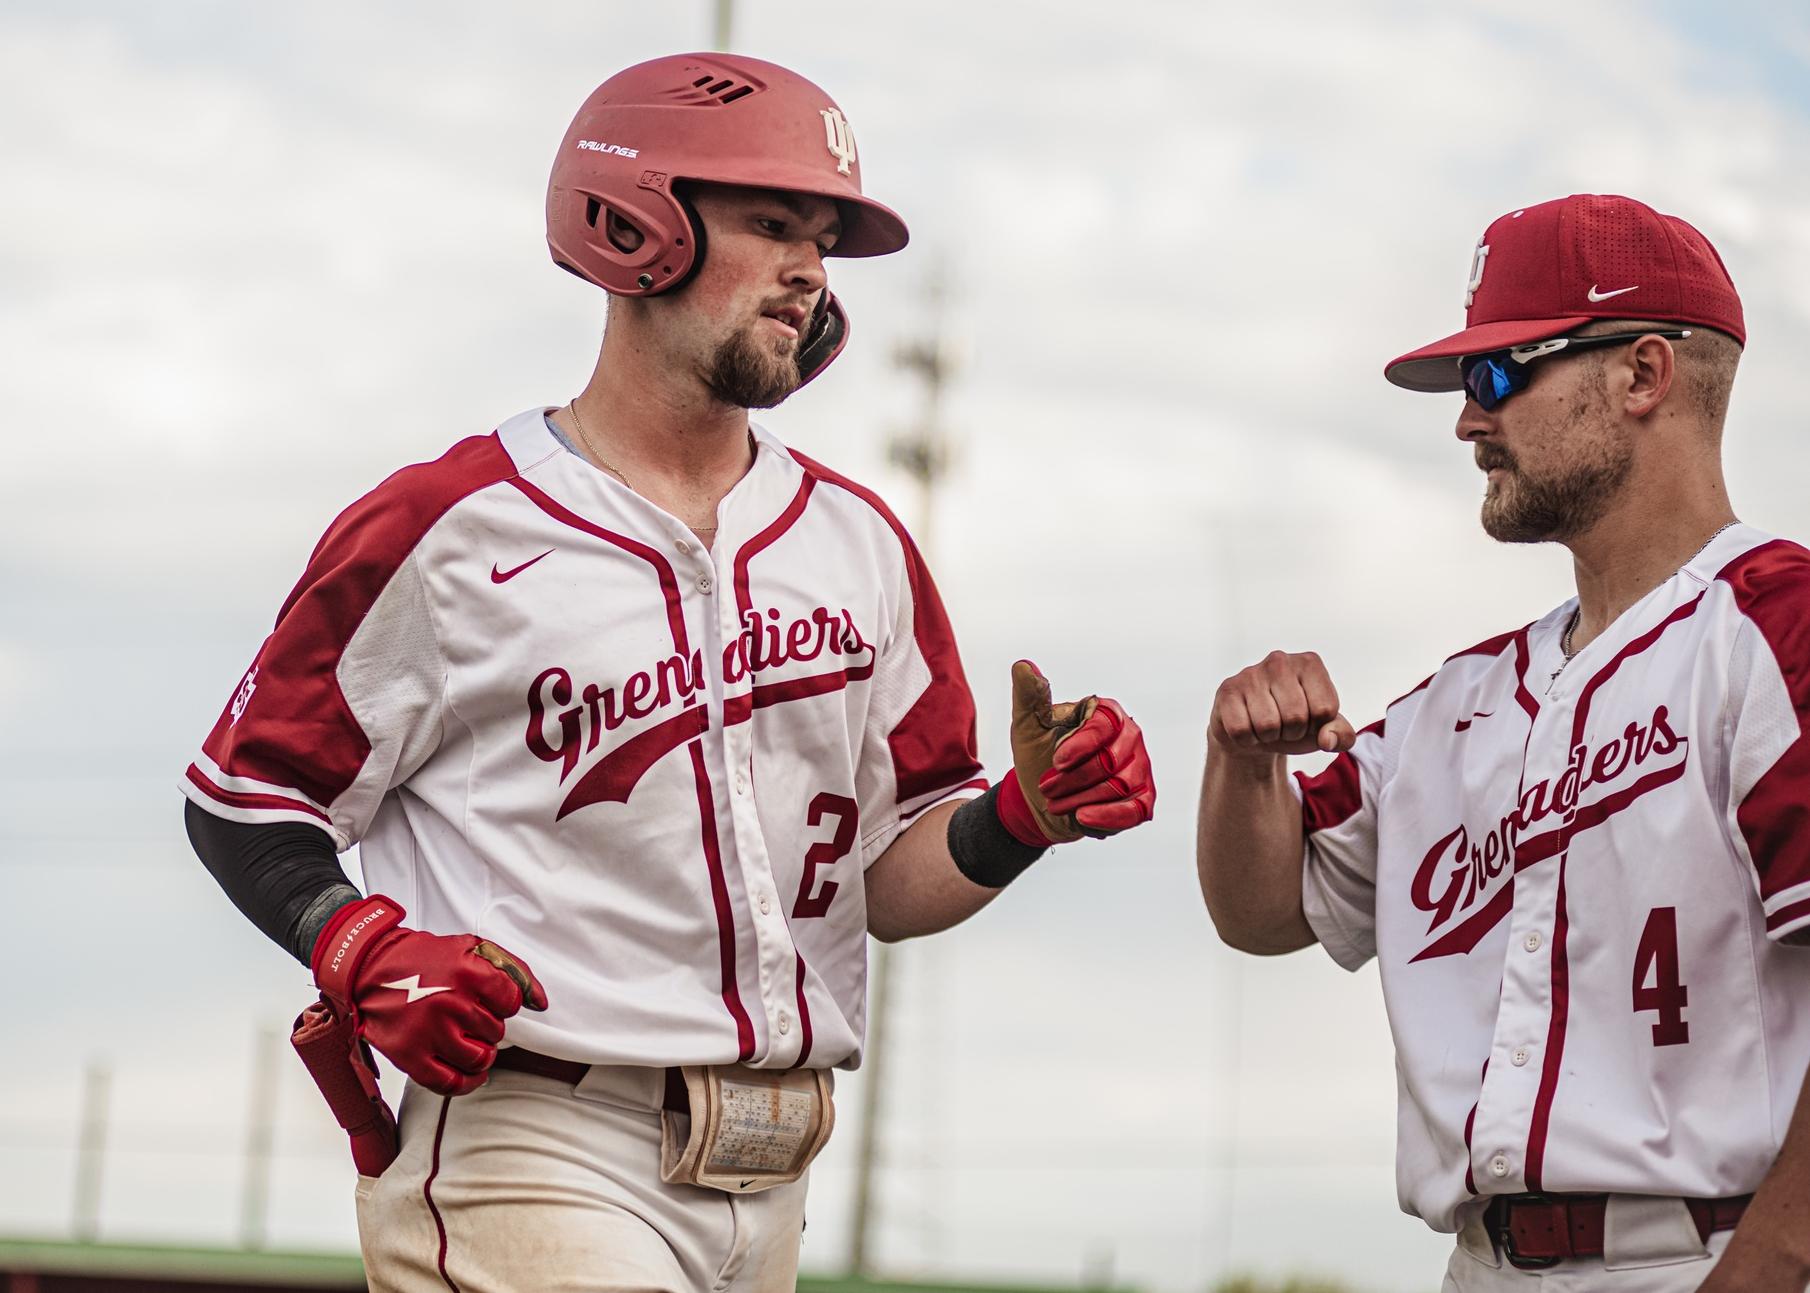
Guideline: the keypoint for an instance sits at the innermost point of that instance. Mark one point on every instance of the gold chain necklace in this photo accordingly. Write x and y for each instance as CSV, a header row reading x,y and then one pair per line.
x,y
1577,611
585,437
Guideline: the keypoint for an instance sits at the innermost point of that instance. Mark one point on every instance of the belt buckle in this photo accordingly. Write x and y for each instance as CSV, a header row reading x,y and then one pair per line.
x,y
1505,1236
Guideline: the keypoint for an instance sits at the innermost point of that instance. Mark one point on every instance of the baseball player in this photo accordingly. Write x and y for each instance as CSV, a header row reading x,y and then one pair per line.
x,y
643,722
1580,851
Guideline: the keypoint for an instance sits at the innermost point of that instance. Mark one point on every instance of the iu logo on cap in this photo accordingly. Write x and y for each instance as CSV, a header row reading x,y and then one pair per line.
x,y
839,138
1470,288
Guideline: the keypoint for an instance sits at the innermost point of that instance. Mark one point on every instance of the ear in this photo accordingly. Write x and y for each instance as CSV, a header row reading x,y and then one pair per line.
x,y
1650,367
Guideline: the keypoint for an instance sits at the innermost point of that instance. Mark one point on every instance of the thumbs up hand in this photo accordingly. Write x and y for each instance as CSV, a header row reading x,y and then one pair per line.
x,y
1080,766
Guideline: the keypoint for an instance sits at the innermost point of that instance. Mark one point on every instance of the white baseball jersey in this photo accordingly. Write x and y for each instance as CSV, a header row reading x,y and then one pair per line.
x,y
1576,888
656,772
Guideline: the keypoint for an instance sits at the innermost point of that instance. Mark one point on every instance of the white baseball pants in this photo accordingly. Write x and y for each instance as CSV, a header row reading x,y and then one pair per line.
x,y
531,1185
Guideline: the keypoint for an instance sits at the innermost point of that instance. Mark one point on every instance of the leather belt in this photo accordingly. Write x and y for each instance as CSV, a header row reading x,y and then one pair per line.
x,y
572,1072
1539,1230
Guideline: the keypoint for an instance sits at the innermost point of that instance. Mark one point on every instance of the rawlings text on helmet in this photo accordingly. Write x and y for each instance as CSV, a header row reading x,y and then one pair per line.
x,y
593,146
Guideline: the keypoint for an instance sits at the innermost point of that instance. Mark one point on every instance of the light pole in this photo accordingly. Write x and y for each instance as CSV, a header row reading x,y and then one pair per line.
x,y
921,451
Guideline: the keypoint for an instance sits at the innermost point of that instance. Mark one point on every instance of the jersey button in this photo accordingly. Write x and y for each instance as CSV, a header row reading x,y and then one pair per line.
x,y
1532,942
1519,1057
785,1023
1498,1165
684,548
741,784
766,907
704,584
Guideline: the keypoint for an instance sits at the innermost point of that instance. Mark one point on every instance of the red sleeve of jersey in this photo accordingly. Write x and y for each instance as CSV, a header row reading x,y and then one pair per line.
x,y
1331,795
288,726
934,746
1771,585
1334,794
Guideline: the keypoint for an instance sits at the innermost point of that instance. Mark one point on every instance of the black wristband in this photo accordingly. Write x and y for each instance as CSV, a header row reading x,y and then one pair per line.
x,y
983,849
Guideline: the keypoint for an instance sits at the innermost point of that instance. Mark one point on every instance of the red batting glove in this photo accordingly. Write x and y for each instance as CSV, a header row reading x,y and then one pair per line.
x,y
1101,773
434,1004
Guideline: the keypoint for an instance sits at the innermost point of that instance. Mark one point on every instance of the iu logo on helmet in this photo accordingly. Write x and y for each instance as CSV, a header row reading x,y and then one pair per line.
x,y
840,139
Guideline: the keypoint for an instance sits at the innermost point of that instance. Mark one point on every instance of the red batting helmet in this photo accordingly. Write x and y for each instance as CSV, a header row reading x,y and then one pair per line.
x,y
715,118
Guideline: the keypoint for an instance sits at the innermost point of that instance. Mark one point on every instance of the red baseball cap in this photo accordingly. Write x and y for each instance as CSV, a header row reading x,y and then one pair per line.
x,y
1544,270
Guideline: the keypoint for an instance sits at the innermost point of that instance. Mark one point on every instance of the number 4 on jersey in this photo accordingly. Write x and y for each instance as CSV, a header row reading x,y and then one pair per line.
x,y
1657,958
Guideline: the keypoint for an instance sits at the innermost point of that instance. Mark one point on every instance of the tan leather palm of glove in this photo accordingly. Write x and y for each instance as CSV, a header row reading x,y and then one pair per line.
x,y
1081,765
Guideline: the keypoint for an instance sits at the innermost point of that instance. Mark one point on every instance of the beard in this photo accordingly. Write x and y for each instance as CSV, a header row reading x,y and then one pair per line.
x,y
746,374
1524,508
1565,501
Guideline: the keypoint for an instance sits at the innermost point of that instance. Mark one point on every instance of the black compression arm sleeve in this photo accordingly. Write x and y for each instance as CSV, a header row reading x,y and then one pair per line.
x,y
284,876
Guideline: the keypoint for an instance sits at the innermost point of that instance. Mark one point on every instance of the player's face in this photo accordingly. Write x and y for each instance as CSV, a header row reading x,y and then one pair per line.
x,y
1554,453
750,307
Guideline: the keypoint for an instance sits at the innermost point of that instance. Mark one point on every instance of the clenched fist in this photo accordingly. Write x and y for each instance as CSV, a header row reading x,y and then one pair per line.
x,y
433,1003
1284,704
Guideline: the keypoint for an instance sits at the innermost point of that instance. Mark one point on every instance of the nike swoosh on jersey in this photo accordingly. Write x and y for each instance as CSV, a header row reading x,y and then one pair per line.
x,y
412,986
504,576
1595,295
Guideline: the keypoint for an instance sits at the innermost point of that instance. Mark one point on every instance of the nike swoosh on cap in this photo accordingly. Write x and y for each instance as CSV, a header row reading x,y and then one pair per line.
x,y
504,576
1595,295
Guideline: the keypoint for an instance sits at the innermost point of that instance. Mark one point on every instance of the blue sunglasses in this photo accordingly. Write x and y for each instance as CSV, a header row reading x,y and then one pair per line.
x,y
1491,378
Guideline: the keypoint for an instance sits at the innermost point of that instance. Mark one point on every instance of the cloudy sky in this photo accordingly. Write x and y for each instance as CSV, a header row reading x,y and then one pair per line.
x,y
256,257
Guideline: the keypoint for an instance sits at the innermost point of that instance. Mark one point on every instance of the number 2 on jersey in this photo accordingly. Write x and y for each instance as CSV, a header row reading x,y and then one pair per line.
x,y
825,852
1657,958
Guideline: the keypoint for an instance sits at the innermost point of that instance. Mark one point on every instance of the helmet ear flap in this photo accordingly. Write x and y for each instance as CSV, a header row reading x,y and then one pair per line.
x,y
824,341
631,243
694,225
